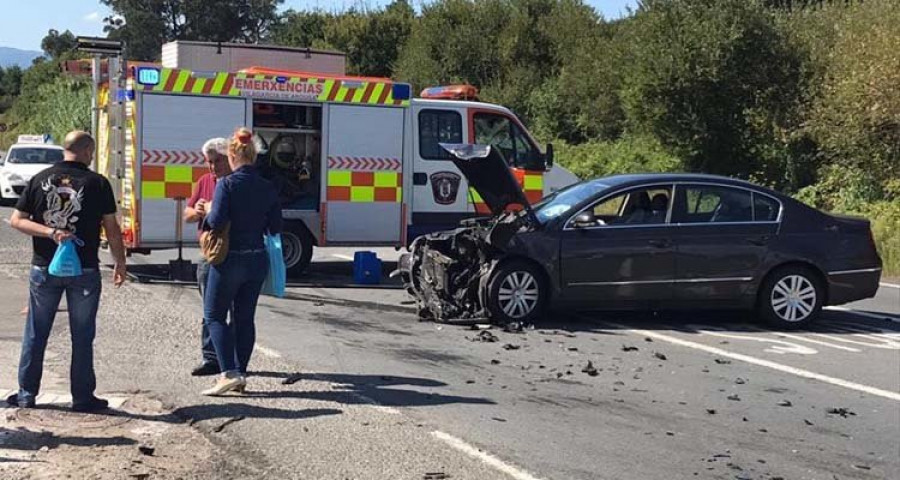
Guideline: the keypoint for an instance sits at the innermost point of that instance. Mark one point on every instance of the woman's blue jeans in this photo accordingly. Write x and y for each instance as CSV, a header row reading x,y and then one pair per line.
x,y
235,282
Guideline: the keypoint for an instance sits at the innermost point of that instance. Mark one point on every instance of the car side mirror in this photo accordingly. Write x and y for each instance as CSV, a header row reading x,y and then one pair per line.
x,y
585,220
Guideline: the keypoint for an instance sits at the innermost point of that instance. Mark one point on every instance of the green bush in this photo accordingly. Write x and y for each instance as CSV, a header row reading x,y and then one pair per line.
x,y
627,155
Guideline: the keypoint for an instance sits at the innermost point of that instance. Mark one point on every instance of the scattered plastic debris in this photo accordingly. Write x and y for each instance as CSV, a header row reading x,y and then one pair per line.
x,y
510,346
629,348
590,369
723,362
660,356
842,411
485,336
785,403
734,398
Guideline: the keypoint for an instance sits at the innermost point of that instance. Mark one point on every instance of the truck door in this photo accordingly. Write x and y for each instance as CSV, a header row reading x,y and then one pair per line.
x,y
440,192
364,175
173,129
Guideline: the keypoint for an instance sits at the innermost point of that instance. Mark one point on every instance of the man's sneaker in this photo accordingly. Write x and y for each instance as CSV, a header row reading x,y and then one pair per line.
x,y
206,369
93,405
13,401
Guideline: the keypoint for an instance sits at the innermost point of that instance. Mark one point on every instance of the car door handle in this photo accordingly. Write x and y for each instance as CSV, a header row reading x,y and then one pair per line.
x,y
660,243
759,241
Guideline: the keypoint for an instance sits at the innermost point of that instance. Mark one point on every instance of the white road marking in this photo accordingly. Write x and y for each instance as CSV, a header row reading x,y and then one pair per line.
x,y
342,257
780,347
818,342
267,351
487,458
882,343
889,285
766,363
876,316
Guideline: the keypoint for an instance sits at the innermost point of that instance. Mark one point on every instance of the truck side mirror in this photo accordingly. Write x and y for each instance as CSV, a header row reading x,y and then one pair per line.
x,y
548,157
585,220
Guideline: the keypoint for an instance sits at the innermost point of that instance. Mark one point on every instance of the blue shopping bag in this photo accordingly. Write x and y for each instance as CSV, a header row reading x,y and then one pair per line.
x,y
277,278
65,261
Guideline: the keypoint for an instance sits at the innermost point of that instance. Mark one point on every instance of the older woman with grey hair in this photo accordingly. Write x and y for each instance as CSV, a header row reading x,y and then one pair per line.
x,y
215,151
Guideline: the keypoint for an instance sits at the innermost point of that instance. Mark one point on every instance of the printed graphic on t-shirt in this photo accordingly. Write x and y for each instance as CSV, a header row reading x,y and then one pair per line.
x,y
63,202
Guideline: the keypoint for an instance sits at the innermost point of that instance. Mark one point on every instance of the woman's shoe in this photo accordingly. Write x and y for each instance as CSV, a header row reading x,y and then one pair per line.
x,y
224,385
242,387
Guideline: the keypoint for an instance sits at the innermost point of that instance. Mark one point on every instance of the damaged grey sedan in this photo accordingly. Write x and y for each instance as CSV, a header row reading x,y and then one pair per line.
x,y
637,242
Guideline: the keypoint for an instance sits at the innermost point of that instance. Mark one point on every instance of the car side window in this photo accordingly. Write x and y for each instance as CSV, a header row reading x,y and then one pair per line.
x,y
712,204
436,127
765,208
644,206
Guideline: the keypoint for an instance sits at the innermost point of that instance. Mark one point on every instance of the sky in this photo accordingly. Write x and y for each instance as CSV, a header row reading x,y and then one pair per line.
x,y
26,22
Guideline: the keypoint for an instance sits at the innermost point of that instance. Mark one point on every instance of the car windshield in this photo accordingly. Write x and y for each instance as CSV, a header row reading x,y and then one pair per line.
x,y
563,200
35,155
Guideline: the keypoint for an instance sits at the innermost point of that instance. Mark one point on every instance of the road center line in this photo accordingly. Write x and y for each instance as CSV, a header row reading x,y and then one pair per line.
x,y
889,285
485,457
766,363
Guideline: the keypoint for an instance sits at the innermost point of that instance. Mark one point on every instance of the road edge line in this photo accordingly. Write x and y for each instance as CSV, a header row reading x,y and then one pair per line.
x,y
486,458
767,363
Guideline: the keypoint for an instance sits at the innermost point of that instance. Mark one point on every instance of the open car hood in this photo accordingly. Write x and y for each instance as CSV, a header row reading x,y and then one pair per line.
x,y
488,173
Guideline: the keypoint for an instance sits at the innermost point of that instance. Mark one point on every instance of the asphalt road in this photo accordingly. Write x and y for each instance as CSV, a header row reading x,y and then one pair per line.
x,y
692,395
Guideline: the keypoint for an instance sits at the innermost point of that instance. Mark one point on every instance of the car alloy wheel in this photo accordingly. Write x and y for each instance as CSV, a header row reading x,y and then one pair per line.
x,y
793,298
519,294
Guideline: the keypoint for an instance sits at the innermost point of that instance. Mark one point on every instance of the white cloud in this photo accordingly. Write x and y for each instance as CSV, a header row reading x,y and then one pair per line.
x,y
93,17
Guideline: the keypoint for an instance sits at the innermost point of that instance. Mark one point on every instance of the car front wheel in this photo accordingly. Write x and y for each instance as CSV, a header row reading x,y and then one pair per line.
x,y
791,297
516,293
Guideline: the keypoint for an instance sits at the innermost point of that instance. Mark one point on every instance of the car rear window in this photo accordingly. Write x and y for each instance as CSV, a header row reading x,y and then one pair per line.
x,y
35,155
765,209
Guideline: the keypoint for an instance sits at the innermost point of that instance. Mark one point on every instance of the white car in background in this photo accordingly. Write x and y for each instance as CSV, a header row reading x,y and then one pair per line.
x,y
30,155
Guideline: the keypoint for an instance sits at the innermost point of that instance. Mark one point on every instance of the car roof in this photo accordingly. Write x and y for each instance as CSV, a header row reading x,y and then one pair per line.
x,y
35,145
644,178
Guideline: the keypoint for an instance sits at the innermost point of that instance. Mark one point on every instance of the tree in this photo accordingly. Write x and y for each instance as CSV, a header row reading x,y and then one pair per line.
x,y
718,83
56,44
146,24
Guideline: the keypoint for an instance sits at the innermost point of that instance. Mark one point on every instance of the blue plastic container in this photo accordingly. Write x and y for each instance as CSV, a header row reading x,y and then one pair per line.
x,y
366,268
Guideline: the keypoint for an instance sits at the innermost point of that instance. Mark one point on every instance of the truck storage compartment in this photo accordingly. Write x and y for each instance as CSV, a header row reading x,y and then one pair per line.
x,y
290,135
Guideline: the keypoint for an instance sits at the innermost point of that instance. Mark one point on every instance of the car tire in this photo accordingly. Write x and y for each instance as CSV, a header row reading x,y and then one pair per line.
x,y
791,297
517,292
297,243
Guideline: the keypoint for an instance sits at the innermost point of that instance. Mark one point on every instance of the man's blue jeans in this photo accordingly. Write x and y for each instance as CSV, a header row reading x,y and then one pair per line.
x,y
83,298
208,350
234,283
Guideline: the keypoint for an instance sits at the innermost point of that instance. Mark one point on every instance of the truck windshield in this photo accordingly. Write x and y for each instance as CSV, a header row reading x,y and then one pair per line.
x,y
35,155
502,133
562,201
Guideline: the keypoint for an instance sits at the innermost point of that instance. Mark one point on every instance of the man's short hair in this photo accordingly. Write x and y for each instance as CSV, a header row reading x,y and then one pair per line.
x,y
77,140
216,145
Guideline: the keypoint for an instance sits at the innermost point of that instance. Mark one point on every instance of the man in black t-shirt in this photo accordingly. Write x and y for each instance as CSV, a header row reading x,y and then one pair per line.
x,y
66,201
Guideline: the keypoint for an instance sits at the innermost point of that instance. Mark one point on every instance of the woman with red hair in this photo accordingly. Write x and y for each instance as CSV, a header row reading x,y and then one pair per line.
x,y
247,204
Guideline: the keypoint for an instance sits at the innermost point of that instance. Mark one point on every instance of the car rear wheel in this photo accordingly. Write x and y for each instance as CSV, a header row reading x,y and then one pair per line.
x,y
297,244
791,297
516,293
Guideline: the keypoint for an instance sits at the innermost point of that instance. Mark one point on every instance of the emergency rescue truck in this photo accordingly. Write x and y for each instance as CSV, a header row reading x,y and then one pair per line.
x,y
357,159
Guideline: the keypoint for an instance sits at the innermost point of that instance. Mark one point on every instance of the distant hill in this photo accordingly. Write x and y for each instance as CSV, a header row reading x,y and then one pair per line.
x,y
14,56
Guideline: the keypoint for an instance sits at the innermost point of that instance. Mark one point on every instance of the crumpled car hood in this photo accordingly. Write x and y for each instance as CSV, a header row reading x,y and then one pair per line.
x,y
487,172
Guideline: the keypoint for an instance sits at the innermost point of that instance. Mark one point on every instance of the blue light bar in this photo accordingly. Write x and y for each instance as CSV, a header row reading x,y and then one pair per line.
x,y
401,91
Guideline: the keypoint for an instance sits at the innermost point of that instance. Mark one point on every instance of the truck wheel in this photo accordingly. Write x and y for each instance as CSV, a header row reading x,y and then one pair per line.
x,y
298,249
791,297
516,293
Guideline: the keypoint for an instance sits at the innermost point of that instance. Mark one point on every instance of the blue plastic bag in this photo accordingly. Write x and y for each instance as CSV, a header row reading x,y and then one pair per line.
x,y
277,278
65,261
